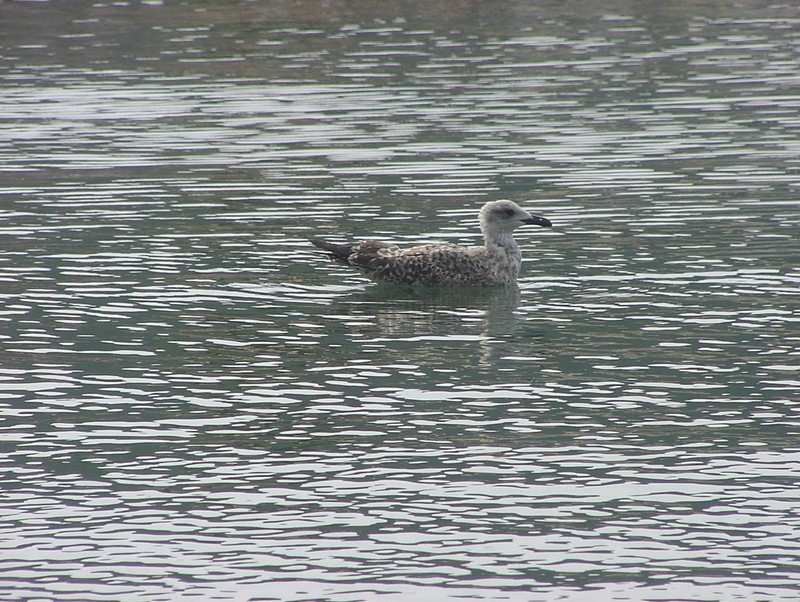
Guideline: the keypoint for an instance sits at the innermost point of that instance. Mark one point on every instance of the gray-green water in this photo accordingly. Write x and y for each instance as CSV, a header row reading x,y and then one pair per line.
x,y
195,406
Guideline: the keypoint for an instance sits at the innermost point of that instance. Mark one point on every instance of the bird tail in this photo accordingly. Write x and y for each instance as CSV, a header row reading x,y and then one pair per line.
x,y
338,253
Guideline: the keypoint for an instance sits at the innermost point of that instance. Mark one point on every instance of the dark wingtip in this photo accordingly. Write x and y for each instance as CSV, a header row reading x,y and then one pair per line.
x,y
337,252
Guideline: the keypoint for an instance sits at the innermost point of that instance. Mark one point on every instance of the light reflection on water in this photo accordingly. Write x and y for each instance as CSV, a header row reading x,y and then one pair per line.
x,y
195,404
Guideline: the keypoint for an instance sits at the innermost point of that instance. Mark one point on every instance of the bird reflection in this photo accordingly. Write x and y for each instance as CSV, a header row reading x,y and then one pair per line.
x,y
424,324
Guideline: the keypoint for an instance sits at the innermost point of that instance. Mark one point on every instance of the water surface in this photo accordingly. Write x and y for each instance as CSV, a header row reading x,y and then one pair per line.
x,y
195,405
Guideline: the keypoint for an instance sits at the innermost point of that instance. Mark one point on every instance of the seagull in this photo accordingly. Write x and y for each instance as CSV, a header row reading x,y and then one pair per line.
x,y
496,263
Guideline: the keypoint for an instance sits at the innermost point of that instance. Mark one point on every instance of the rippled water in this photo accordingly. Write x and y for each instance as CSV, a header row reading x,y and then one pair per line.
x,y
195,405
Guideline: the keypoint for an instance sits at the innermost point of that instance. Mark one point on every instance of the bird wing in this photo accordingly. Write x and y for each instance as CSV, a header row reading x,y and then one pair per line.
x,y
427,265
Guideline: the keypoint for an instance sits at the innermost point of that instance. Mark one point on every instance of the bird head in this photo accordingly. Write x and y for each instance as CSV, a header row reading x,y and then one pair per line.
x,y
507,216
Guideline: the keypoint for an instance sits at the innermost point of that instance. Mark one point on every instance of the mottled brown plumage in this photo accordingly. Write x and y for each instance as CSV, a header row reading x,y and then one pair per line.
x,y
496,263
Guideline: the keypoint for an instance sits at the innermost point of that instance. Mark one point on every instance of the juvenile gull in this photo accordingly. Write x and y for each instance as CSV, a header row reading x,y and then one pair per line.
x,y
496,263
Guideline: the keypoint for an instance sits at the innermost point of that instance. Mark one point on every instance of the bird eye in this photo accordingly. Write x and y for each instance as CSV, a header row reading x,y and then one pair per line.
x,y
508,211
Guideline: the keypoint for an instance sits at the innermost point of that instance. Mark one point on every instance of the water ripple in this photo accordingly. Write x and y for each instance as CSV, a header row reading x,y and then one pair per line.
x,y
196,404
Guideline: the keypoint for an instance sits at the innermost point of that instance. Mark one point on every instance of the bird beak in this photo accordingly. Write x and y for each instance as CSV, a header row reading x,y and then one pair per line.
x,y
538,221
